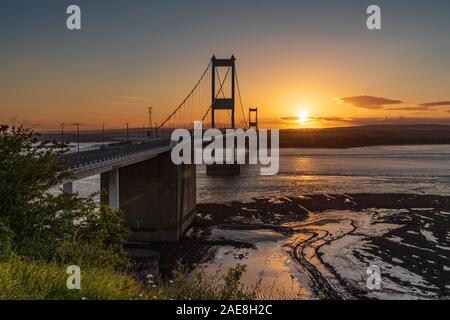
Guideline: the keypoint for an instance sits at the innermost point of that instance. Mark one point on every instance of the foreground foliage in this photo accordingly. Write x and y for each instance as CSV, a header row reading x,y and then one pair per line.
x,y
23,279
42,233
38,224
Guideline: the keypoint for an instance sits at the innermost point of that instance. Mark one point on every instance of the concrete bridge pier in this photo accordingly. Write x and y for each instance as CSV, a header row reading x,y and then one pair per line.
x,y
157,197
109,182
68,187
223,170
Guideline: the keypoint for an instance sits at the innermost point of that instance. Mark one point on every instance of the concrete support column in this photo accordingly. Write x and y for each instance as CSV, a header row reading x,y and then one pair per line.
x,y
109,182
113,189
68,187
157,197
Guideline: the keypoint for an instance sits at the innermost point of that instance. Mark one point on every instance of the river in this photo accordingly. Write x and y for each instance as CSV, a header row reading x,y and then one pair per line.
x,y
327,255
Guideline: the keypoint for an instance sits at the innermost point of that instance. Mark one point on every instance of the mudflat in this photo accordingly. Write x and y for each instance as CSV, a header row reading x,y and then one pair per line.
x,y
324,244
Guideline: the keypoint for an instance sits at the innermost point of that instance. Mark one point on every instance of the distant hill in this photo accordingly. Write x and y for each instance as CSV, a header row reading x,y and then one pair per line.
x,y
373,135
345,137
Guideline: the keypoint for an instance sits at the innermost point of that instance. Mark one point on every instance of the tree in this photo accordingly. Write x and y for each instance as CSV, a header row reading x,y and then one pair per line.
x,y
37,224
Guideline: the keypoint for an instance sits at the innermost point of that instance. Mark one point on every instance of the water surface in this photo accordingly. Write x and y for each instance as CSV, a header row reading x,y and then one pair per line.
x,y
385,169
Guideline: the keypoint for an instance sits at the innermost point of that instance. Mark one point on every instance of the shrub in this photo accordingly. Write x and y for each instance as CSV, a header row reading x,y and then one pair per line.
x,y
37,224
204,286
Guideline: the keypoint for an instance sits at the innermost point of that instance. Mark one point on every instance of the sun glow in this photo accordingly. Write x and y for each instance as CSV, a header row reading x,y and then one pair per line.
x,y
303,116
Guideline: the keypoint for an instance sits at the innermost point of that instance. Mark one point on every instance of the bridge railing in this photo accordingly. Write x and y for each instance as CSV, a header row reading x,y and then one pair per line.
x,y
86,158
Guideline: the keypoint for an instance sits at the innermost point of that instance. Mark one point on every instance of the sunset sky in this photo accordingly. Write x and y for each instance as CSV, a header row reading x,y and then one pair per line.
x,y
315,57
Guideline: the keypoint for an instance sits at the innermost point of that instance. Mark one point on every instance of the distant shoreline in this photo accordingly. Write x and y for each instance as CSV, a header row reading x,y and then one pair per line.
x,y
365,145
366,136
340,138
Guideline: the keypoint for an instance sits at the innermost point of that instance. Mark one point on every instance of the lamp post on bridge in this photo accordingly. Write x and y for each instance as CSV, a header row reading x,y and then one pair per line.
x,y
128,132
62,137
78,136
150,121
103,134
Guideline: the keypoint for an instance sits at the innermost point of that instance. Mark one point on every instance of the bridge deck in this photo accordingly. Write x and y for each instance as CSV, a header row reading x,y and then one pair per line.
x,y
92,162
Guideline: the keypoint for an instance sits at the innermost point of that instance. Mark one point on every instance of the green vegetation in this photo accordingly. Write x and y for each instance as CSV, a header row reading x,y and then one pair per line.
x,y
25,279
41,234
34,223
33,280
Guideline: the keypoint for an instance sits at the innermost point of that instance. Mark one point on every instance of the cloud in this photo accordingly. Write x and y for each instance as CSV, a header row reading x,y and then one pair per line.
x,y
333,119
411,108
376,120
368,102
429,106
377,103
336,121
290,118
312,120
398,120
436,104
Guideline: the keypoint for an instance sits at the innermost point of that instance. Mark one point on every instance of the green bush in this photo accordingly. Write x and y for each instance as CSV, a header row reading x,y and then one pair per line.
x,y
37,224
204,286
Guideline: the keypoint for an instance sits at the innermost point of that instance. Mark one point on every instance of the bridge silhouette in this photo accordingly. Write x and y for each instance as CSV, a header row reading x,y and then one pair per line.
x,y
213,95
158,197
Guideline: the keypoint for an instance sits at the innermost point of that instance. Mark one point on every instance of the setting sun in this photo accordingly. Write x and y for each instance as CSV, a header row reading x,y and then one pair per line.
x,y
303,116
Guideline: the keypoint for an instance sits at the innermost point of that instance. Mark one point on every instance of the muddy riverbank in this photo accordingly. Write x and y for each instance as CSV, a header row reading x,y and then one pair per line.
x,y
320,246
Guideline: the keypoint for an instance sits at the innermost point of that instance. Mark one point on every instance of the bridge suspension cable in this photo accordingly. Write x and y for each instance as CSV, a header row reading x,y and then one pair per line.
x,y
218,92
240,100
197,99
221,85
186,99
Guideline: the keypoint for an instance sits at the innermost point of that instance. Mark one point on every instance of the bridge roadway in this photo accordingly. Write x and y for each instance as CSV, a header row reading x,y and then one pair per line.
x,y
157,196
92,162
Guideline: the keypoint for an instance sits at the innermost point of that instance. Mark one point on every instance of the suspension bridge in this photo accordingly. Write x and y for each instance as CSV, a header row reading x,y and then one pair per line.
x,y
158,197
212,100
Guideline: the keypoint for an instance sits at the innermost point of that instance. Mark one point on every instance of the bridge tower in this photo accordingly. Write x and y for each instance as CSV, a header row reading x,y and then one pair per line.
x,y
222,103
253,122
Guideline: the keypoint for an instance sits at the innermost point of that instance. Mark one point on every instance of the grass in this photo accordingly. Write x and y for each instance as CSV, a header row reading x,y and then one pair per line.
x,y
32,280
24,279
